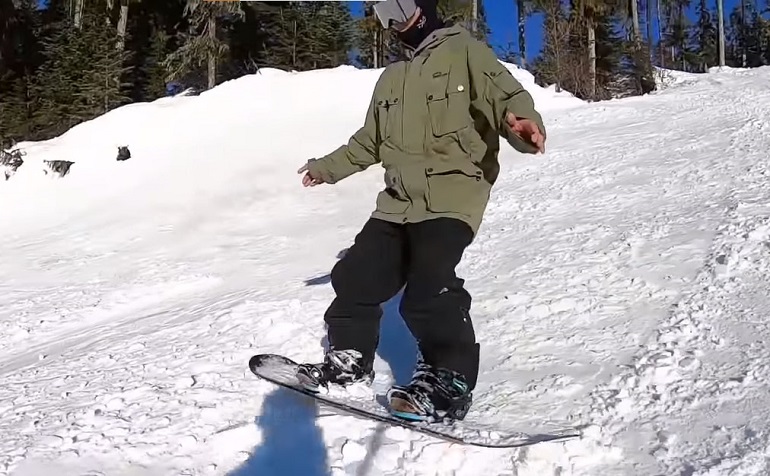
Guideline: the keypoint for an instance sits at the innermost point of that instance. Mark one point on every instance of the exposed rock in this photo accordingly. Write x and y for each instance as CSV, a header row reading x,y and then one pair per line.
x,y
61,167
123,153
10,161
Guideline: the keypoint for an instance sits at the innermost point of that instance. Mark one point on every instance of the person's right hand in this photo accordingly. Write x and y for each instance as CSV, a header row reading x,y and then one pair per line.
x,y
308,180
527,130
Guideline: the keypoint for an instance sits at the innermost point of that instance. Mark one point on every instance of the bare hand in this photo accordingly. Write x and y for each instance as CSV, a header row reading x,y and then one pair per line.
x,y
528,130
308,180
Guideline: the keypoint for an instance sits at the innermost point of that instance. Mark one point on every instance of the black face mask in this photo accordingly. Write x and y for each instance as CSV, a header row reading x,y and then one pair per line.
x,y
426,24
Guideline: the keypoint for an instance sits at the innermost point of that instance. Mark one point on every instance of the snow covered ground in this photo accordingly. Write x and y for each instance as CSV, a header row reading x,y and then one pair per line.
x,y
620,283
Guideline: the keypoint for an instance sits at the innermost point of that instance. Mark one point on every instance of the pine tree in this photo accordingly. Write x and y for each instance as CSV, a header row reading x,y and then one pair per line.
x,y
745,37
151,36
288,39
203,43
247,40
8,20
636,65
676,37
583,51
367,40
553,64
706,37
523,10
65,92
330,33
461,12
20,56
377,47
588,13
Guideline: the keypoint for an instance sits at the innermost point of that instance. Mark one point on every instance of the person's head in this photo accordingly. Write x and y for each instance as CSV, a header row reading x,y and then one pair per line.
x,y
412,20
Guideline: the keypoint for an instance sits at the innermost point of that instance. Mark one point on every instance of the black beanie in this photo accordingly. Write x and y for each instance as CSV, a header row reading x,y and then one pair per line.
x,y
424,26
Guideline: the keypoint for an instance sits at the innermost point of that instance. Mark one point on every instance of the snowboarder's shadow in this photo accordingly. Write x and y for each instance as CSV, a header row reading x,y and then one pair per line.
x,y
325,278
396,355
318,280
292,444
288,420
397,346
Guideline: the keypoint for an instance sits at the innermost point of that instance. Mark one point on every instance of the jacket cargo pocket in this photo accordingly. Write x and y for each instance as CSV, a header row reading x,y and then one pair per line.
x,y
457,187
447,101
394,198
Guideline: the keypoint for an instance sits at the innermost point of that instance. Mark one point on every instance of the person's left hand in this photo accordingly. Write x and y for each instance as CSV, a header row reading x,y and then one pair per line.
x,y
528,130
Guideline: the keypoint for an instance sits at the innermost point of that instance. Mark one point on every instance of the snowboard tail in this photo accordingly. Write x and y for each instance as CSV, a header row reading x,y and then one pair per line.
x,y
281,370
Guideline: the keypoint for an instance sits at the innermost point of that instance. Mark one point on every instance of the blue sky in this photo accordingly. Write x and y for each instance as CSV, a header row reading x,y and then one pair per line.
x,y
502,23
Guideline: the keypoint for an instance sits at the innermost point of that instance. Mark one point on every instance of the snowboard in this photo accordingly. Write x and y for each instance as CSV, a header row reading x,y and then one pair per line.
x,y
281,370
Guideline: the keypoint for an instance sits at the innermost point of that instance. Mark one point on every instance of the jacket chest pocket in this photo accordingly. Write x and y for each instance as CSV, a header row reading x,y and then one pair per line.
x,y
388,110
448,101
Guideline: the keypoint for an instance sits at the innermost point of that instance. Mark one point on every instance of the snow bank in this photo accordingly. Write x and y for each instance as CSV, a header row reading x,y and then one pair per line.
x,y
279,116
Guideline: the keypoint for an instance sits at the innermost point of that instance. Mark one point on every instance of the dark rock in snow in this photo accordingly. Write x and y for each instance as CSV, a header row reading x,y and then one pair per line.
x,y
123,153
10,161
61,167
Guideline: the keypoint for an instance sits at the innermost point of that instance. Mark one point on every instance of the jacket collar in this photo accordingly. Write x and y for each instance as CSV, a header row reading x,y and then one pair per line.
x,y
437,37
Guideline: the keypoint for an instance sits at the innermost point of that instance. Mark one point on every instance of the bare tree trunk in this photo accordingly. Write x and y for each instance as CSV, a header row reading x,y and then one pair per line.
x,y
212,60
294,46
660,34
648,4
474,16
641,60
78,18
743,33
106,89
562,28
122,22
635,19
683,42
591,59
721,33
375,52
558,25
522,19
637,30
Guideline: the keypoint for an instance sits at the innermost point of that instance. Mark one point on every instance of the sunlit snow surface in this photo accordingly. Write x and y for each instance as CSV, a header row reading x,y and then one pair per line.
x,y
620,282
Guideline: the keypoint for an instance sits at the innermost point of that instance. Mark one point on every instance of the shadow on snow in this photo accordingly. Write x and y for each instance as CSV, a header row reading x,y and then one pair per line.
x,y
325,278
292,443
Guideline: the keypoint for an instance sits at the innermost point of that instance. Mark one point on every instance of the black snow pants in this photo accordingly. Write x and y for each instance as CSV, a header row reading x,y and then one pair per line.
x,y
423,256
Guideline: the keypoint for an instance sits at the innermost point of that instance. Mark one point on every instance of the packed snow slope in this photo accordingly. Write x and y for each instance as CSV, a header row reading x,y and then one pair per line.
x,y
620,284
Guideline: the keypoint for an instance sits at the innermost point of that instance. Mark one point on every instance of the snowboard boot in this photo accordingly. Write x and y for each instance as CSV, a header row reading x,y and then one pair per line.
x,y
434,394
340,367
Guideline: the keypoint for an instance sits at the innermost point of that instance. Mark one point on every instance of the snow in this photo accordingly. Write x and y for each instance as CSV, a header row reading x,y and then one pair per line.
x,y
620,285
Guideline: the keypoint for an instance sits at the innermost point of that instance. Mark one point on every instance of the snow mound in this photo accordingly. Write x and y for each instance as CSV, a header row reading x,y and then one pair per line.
x,y
269,107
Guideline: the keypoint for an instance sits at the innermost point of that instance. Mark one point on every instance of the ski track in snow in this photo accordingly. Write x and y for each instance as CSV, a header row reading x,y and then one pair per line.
x,y
620,284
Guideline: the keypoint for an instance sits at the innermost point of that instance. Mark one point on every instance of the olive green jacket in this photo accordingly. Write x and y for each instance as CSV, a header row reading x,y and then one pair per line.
x,y
434,124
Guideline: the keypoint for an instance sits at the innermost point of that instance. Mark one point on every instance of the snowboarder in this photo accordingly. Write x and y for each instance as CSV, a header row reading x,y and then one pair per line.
x,y
433,123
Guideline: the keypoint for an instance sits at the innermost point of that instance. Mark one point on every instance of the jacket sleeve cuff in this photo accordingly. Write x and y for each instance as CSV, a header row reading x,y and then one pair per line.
x,y
517,142
333,167
514,139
